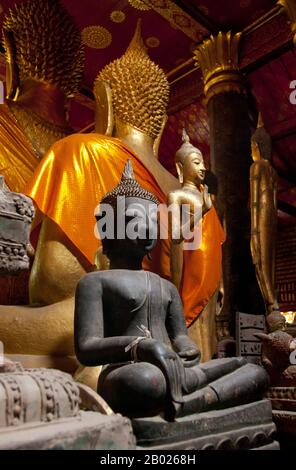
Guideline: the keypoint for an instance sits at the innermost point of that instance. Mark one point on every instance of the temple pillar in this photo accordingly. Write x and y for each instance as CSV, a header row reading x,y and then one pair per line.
x,y
230,141
290,7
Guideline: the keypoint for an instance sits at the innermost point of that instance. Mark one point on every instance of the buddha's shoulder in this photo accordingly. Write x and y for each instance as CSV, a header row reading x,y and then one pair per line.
x,y
175,195
95,277
86,140
108,275
165,283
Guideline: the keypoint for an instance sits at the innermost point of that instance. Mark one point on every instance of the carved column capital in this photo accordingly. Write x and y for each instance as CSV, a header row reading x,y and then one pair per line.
x,y
218,58
290,7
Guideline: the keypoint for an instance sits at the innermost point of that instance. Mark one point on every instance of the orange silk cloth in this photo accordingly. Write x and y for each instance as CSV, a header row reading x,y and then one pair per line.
x,y
72,179
17,158
202,268
70,182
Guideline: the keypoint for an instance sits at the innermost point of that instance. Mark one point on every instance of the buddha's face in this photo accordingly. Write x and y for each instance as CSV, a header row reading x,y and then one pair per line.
x,y
135,224
141,225
194,168
256,156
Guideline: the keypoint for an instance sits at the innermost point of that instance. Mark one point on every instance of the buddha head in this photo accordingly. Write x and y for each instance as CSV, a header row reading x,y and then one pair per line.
x,y
42,44
133,222
132,90
189,162
261,143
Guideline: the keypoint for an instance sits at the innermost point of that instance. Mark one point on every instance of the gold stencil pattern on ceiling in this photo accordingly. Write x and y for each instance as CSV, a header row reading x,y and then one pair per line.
x,y
179,19
139,5
117,16
152,41
96,37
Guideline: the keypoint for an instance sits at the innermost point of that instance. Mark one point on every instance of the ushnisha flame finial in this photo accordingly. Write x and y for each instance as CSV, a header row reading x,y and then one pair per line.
x,y
140,89
137,40
128,172
186,148
128,187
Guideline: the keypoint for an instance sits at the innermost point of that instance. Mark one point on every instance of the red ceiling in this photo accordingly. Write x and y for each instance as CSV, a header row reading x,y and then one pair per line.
x,y
97,13
153,25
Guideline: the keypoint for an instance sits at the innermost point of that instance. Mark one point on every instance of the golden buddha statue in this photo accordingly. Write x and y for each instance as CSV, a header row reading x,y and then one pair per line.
x,y
44,68
131,95
67,186
203,261
263,179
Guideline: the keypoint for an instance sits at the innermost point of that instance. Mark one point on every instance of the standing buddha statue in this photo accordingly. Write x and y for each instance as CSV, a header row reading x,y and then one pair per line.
x,y
263,179
199,290
44,68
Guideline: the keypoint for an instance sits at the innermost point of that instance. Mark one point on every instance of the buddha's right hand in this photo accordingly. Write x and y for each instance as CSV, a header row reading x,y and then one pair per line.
x,y
160,355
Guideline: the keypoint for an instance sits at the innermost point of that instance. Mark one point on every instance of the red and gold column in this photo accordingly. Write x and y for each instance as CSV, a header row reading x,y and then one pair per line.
x,y
230,141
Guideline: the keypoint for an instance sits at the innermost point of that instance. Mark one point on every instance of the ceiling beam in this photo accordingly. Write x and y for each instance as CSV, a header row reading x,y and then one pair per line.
x,y
262,41
195,13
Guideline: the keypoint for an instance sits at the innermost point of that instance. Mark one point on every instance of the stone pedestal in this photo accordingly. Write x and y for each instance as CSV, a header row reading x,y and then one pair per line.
x,y
239,428
40,409
89,431
283,401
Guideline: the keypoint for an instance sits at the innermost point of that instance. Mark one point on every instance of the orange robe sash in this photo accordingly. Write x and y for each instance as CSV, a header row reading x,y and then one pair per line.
x,y
72,179
202,268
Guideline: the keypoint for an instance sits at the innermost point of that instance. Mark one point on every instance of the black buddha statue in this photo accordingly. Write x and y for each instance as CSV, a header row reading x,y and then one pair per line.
x,y
131,322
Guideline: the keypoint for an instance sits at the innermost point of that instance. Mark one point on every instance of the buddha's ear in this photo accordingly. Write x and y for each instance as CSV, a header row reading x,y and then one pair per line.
x,y
158,138
104,110
12,71
179,168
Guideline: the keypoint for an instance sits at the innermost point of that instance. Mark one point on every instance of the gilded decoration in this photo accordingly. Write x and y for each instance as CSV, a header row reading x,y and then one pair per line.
x,y
96,37
152,42
139,5
178,19
60,59
138,87
218,58
117,16
290,7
